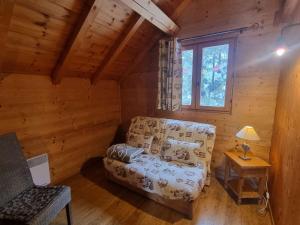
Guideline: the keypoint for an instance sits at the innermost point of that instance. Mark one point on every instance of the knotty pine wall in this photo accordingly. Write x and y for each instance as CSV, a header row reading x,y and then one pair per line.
x,y
255,82
72,121
285,151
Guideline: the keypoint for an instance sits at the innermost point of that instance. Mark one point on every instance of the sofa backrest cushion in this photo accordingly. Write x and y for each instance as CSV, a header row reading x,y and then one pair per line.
x,y
162,129
190,153
140,141
152,127
192,132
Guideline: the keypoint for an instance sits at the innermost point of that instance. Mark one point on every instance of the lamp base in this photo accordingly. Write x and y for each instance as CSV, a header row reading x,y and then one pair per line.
x,y
244,157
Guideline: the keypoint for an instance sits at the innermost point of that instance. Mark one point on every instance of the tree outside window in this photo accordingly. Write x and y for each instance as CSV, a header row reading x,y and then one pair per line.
x,y
207,74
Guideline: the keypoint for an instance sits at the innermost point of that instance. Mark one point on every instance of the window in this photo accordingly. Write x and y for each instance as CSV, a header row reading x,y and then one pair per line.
x,y
207,74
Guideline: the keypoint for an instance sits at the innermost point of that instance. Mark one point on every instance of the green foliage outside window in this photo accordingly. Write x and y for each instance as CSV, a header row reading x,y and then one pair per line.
x,y
214,75
214,69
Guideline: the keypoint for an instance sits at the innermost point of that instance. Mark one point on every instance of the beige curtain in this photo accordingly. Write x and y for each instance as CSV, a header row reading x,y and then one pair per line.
x,y
170,75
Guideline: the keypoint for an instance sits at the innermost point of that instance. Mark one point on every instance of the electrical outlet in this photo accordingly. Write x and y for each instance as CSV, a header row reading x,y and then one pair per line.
x,y
267,195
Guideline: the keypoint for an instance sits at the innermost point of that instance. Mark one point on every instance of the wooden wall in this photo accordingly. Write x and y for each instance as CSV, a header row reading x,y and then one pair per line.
x,y
72,121
285,151
256,78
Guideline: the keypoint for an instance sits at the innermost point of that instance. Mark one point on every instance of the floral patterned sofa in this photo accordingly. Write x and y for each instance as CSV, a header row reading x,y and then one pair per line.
x,y
174,184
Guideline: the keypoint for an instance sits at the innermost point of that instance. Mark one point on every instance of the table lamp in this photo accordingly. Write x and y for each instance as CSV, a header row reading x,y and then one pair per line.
x,y
247,133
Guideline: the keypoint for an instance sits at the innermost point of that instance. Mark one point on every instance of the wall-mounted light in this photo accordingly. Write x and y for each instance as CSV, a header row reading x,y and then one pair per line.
x,y
281,45
280,51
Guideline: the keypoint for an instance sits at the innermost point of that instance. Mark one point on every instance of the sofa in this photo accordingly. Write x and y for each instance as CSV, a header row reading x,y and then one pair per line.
x,y
174,184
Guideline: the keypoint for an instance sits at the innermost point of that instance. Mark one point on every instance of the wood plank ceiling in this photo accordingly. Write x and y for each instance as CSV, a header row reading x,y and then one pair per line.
x,y
288,11
93,39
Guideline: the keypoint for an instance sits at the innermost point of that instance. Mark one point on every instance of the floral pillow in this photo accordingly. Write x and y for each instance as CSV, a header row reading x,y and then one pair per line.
x,y
140,141
182,151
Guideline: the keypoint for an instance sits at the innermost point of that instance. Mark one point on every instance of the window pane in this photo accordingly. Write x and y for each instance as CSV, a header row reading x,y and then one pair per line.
x,y
214,75
187,76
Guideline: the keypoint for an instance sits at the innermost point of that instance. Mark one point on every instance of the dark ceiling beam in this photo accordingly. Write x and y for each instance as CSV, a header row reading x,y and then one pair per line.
x,y
6,13
134,24
153,14
86,18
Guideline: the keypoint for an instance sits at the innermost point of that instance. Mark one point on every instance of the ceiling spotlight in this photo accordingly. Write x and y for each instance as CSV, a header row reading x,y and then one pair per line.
x,y
281,46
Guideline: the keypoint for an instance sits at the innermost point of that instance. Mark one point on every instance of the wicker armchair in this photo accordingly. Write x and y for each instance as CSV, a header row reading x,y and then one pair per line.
x,y
21,202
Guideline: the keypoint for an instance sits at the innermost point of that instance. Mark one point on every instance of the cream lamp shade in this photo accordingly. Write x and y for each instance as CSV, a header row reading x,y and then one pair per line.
x,y
248,133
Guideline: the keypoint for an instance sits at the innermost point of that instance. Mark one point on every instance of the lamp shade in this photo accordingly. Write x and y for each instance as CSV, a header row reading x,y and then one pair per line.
x,y
248,133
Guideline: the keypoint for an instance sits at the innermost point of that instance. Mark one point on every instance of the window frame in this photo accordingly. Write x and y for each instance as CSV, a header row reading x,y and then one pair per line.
x,y
197,45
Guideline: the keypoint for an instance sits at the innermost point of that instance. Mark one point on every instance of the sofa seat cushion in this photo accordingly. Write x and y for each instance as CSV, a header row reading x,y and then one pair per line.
x,y
32,205
171,180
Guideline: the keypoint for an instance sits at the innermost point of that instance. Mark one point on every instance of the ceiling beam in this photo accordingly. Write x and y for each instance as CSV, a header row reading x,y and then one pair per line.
x,y
134,24
180,8
86,18
287,11
148,10
6,13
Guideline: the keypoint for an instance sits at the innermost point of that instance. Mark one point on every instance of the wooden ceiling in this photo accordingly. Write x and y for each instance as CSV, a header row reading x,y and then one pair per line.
x,y
288,12
93,39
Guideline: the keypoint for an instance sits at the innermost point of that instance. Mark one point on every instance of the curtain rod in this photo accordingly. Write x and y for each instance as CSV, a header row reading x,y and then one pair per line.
x,y
240,30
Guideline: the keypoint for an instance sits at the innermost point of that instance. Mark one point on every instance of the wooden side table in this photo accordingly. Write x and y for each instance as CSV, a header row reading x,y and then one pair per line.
x,y
254,168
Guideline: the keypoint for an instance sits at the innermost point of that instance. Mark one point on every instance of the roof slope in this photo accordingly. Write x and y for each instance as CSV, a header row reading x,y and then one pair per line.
x,y
39,33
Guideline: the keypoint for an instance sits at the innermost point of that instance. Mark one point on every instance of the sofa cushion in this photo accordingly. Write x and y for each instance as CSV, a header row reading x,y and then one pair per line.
x,y
123,152
140,141
171,180
185,152
150,126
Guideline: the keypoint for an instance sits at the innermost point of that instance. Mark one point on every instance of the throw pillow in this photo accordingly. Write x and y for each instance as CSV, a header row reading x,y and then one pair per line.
x,y
123,152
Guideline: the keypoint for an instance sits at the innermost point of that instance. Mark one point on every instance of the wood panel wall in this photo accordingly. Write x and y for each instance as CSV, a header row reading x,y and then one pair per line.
x,y
72,121
255,82
285,151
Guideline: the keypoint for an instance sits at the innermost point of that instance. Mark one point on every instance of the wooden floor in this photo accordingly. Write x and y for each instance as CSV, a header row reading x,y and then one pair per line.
x,y
98,201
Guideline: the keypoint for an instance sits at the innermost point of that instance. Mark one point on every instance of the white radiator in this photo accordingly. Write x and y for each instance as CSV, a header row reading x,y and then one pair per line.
x,y
39,168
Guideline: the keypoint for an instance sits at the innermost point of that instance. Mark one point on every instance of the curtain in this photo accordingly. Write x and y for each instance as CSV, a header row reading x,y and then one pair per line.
x,y
170,75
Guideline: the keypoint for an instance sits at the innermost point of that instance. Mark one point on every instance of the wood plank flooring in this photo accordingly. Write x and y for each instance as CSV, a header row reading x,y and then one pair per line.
x,y
98,201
